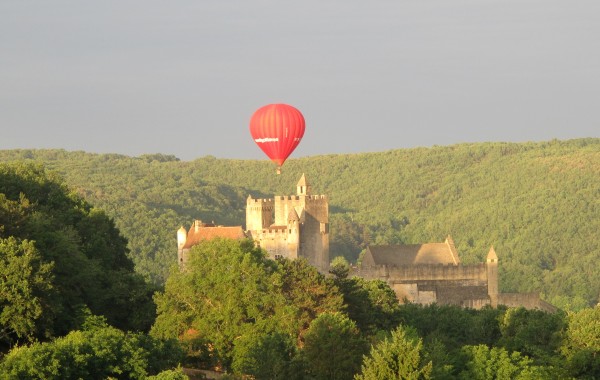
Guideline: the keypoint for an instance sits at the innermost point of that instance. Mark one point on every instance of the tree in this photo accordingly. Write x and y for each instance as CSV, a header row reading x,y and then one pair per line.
x,y
534,333
486,363
24,280
225,289
339,267
229,292
372,304
397,357
333,347
264,355
170,374
100,353
581,346
79,246
307,293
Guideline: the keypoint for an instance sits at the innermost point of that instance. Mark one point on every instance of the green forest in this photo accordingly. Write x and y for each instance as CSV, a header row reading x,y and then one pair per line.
x,y
536,203
90,289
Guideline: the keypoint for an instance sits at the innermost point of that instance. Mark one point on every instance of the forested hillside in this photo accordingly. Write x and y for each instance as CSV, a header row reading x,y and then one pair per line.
x,y
538,204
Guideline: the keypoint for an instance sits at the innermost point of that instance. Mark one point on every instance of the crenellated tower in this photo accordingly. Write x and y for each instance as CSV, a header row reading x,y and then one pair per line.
x,y
292,226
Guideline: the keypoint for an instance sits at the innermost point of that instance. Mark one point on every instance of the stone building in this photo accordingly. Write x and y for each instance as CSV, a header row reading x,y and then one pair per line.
x,y
290,226
432,272
200,231
294,226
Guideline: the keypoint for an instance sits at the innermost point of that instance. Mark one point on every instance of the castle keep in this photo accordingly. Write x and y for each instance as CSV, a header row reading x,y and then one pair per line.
x,y
292,226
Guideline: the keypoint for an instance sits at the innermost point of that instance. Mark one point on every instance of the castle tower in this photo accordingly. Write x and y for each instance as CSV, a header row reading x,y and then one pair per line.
x,y
181,238
492,276
292,226
303,187
259,213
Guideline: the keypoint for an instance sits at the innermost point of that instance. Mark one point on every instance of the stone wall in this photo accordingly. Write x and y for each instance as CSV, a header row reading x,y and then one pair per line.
x,y
526,300
423,272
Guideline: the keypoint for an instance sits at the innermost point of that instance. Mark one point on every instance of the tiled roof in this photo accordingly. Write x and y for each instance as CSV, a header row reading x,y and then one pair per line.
x,y
196,235
414,254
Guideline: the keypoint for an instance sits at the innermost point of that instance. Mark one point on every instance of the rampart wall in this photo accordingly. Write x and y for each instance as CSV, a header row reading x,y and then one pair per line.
x,y
407,273
526,300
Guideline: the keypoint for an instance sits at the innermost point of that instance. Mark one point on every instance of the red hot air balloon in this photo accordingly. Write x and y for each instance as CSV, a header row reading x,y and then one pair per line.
x,y
277,129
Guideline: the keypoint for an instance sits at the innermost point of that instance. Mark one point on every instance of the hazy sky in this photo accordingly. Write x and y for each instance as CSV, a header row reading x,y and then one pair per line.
x,y
184,77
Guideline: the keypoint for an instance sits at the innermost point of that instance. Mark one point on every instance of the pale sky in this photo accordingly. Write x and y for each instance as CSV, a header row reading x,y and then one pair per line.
x,y
184,77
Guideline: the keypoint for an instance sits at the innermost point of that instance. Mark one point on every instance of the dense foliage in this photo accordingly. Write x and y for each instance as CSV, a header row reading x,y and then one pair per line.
x,y
233,309
236,310
397,357
60,258
230,294
537,203
99,353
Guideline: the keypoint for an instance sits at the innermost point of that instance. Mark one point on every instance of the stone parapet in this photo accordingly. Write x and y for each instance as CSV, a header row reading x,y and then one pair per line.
x,y
393,273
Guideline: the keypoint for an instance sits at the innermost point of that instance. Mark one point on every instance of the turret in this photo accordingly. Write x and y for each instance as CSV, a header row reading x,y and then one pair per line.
x,y
303,187
293,218
181,239
492,276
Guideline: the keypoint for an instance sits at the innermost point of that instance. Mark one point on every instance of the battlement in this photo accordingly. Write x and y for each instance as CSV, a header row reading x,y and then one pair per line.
x,y
423,272
279,224
275,230
259,200
298,197
288,197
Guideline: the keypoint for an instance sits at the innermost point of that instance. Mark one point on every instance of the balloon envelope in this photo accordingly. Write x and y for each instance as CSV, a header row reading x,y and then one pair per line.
x,y
277,129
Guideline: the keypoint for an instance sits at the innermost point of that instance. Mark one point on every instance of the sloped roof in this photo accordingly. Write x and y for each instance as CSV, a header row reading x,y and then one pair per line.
x,y
196,235
293,215
492,255
414,254
303,181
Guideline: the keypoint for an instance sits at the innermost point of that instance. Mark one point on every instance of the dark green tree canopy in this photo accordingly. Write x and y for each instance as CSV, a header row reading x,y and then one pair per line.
x,y
101,353
397,357
72,257
333,347
230,292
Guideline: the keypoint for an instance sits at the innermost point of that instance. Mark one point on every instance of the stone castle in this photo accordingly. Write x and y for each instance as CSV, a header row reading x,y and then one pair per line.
x,y
432,273
297,226
292,226
286,226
